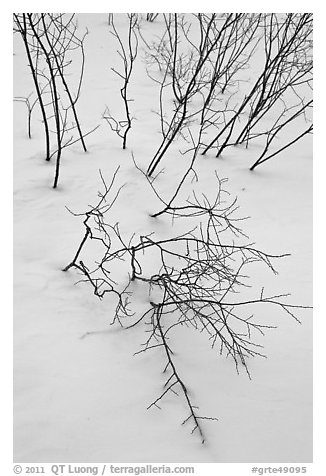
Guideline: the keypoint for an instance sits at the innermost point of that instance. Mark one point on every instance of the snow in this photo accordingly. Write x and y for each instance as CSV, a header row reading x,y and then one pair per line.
x,y
80,393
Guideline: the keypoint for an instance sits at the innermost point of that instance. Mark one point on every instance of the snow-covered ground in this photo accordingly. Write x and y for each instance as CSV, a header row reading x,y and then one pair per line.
x,y
80,394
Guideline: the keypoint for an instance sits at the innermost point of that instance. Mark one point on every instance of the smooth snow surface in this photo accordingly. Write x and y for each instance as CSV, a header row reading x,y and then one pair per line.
x,y
80,394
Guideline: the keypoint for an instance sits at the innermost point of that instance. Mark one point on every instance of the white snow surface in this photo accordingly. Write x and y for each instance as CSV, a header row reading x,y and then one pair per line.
x,y
80,393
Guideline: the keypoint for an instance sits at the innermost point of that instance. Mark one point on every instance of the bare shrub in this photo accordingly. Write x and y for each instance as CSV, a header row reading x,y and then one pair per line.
x,y
194,280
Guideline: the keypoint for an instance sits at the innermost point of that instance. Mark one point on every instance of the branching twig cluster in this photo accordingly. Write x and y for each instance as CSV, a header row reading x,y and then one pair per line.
x,y
50,40
193,279
200,62
287,68
197,61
